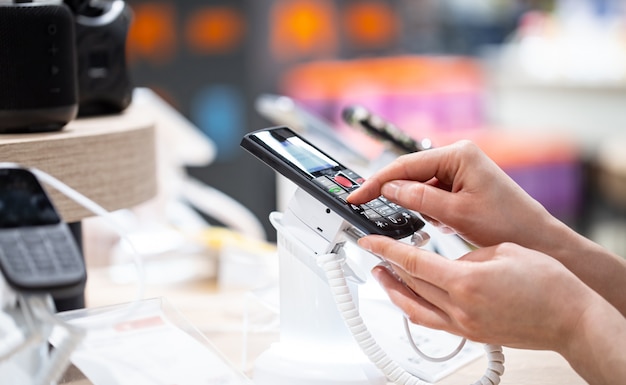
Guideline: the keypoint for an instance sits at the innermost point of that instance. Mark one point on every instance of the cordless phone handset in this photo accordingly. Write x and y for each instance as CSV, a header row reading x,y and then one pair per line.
x,y
38,253
329,181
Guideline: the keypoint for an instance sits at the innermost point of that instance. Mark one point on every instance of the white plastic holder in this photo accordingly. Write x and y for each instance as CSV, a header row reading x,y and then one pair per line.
x,y
315,346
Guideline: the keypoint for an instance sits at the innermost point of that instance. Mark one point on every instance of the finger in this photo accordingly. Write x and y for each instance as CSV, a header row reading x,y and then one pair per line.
x,y
417,309
422,264
440,163
423,289
433,202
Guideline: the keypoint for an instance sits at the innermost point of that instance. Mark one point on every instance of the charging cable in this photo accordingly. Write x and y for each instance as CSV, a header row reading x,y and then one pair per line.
x,y
331,264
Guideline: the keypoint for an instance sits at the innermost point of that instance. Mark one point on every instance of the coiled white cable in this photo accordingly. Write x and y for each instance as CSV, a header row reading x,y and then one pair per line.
x,y
332,267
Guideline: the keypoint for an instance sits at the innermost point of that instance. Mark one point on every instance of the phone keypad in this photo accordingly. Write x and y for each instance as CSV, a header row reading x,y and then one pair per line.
x,y
40,255
380,211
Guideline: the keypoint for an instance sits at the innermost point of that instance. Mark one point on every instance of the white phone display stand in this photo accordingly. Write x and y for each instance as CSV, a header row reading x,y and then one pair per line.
x,y
323,340
315,347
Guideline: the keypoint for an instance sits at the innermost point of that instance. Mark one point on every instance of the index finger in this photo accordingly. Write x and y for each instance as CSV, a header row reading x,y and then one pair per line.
x,y
422,264
440,163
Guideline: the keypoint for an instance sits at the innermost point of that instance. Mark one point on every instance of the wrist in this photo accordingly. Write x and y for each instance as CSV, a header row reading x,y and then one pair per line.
x,y
593,347
600,269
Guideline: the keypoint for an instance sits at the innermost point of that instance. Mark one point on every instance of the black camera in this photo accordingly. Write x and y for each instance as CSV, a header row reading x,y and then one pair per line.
x,y
61,59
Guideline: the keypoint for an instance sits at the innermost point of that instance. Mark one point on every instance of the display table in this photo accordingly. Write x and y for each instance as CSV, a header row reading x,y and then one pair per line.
x,y
219,315
109,159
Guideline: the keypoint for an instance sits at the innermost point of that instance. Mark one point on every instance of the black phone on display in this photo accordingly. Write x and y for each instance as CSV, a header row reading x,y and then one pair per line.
x,y
38,253
328,181
382,130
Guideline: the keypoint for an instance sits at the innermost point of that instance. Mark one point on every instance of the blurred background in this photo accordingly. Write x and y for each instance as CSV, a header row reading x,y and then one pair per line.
x,y
539,85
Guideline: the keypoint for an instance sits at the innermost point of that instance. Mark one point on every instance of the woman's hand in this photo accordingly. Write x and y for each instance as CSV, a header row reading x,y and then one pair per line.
x,y
459,187
505,294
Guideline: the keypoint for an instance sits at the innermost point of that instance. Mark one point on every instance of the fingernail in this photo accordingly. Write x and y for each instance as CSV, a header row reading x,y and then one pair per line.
x,y
364,243
390,189
376,274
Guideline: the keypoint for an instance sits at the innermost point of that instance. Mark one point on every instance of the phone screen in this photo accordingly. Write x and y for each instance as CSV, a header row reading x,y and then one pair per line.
x,y
23,201
302,155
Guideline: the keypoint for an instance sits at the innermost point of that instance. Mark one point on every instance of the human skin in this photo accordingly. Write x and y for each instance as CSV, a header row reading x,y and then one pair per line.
x,y
533,282
507,295
458,188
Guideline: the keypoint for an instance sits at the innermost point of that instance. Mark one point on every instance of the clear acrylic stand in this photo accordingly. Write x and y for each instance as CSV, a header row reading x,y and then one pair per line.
x,y
155,345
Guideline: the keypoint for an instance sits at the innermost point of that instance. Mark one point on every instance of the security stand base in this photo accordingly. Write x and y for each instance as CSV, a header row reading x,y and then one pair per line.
x,y
277,366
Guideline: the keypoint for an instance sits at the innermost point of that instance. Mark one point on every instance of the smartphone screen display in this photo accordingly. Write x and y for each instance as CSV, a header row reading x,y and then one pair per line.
x,y
23,202
301,154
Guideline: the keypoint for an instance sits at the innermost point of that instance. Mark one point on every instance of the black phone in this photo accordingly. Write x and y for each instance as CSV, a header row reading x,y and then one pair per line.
x,y
38,253
382,130
285,111
328,181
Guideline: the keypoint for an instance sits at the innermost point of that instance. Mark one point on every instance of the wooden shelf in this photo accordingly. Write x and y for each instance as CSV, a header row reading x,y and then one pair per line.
x,y
110,159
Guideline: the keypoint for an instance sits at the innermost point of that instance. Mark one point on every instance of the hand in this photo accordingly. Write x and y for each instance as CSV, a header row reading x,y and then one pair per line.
x,y
504,294
459,187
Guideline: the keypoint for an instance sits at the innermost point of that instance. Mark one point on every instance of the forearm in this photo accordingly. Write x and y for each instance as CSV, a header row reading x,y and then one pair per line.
x,y
596,347
600,269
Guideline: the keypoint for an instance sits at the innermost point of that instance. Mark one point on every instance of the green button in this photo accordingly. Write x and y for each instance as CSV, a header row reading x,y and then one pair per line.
x,y
335,189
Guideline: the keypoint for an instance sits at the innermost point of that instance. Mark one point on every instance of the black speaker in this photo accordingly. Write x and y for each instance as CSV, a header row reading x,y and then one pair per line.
x,y
38,75
104,85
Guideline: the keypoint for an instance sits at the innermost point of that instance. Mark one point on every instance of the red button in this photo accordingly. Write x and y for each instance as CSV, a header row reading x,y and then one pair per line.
x,y
342,180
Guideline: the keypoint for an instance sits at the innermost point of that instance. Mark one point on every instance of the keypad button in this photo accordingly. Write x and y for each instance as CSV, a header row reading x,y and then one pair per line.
x,y
371,214
381,223
398,219
343,197
394,206
324,181
335,190
385,210
343,181
375,203
356,208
